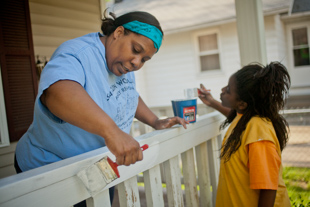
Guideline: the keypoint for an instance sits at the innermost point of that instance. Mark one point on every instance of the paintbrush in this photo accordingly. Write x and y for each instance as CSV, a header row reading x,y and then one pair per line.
x,y
191,93
98,175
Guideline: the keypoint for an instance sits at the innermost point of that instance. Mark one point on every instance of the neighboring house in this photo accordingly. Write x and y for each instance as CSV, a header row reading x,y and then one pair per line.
x,y
200,46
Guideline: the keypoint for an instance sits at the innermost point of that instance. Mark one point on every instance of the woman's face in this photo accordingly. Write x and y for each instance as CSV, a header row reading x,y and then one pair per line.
x,y
127,53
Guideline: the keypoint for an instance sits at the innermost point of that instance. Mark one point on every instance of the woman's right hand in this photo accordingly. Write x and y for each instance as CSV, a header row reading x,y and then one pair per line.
x,y
125,148
69,101
205,95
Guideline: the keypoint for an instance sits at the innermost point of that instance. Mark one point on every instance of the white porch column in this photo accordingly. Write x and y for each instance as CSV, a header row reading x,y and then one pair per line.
x,y
251,31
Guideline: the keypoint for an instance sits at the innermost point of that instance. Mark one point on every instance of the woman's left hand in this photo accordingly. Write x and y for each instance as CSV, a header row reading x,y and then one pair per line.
x,y
169,122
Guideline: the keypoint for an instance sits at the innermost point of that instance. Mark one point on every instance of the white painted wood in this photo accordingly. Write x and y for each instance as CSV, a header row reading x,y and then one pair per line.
x,y
57,184
99,200
251,31
190,179
216,156
128,193
205,195
62,193
213,170
153,187
173,182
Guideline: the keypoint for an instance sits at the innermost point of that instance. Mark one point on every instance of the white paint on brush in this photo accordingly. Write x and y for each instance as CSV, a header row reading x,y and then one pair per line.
x,y
97,176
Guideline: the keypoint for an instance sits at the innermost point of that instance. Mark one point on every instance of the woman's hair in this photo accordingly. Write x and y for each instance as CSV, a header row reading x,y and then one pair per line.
x,y
264,89
109,25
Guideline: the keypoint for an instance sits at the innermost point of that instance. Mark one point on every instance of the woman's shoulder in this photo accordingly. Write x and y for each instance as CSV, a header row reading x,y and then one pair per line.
x,y
77,45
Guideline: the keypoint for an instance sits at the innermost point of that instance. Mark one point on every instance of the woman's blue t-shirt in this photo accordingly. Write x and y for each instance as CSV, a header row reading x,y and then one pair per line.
x,y
50,139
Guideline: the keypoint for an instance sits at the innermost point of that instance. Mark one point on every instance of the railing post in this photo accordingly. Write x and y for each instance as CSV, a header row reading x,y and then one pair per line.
x,y
213,168
129,193
101,199
153,187
216,156
203,167
190,181
173,181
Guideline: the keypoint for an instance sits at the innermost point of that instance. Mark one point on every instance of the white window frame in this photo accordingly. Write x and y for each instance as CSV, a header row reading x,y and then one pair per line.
x,y
196,36
291,28
292,68
4,132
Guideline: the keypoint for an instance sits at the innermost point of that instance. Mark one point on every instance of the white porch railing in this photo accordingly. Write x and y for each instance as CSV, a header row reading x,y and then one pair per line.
x,y
57,184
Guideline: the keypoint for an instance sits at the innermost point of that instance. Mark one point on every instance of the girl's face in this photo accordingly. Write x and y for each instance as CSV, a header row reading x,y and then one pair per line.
x,y
127,53
230,98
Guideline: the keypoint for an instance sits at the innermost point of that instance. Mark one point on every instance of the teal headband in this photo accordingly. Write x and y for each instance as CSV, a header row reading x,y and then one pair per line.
x,y
146,30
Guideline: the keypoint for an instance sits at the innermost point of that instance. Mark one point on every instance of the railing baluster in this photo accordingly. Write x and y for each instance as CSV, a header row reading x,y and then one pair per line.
x,y
153,187
213,170
190,181
129,193
99,200
205,196
216,157
173,181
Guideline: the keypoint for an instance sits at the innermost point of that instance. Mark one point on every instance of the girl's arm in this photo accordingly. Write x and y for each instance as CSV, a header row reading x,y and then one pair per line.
x,y
206,97
145,115
267,198
70,102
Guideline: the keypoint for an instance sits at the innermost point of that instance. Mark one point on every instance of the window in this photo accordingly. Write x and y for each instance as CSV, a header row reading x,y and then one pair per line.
x,y
300,47
209,52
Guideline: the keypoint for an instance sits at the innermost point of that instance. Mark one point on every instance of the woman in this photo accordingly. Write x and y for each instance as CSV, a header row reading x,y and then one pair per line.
x,y
87,95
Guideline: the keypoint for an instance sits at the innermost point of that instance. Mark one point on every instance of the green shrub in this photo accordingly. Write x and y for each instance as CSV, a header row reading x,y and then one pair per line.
x,y
297,182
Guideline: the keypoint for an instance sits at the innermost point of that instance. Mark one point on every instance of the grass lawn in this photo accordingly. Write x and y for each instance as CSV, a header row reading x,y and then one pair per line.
x,y
297,182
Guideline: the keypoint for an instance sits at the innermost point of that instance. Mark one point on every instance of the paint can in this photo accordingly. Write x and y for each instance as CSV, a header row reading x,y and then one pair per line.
x,y
185,108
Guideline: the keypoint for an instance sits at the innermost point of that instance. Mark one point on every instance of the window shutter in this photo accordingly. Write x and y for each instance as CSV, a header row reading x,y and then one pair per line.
x,y
17,65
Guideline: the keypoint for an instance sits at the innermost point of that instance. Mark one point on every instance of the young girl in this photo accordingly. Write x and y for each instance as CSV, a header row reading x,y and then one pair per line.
x,y
251,170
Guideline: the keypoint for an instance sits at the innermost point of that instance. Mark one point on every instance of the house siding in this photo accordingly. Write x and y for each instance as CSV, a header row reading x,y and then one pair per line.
x,y
54,22
275,40
7,160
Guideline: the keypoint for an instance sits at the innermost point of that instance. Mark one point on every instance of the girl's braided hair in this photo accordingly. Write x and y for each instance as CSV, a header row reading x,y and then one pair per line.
x,y
264,89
